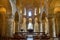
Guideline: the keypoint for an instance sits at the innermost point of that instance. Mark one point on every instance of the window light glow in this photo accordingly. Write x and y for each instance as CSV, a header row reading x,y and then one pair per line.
x,y
29,13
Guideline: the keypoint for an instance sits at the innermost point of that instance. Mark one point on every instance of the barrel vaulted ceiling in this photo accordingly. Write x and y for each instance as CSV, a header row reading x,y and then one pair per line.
x,y
53,4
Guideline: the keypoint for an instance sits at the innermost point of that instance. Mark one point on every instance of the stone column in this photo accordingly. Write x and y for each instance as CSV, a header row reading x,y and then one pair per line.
x,y
24,25
14,27
54,29
41,12
35,10
10,26
24,11
41,26
20,19
24,21
12,17
41,29
36,26
46,25
46,18
53,26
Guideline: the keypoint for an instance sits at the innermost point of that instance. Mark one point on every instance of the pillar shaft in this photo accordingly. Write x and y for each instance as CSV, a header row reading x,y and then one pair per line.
x,y
20,19
41,26
53,26
46,25
11,18
46,18
10,26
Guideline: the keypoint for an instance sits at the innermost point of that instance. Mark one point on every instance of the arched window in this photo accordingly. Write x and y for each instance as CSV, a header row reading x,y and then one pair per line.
x,y
29,13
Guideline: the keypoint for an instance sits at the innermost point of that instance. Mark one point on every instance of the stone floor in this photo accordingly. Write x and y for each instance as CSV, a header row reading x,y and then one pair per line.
x,y
9,38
